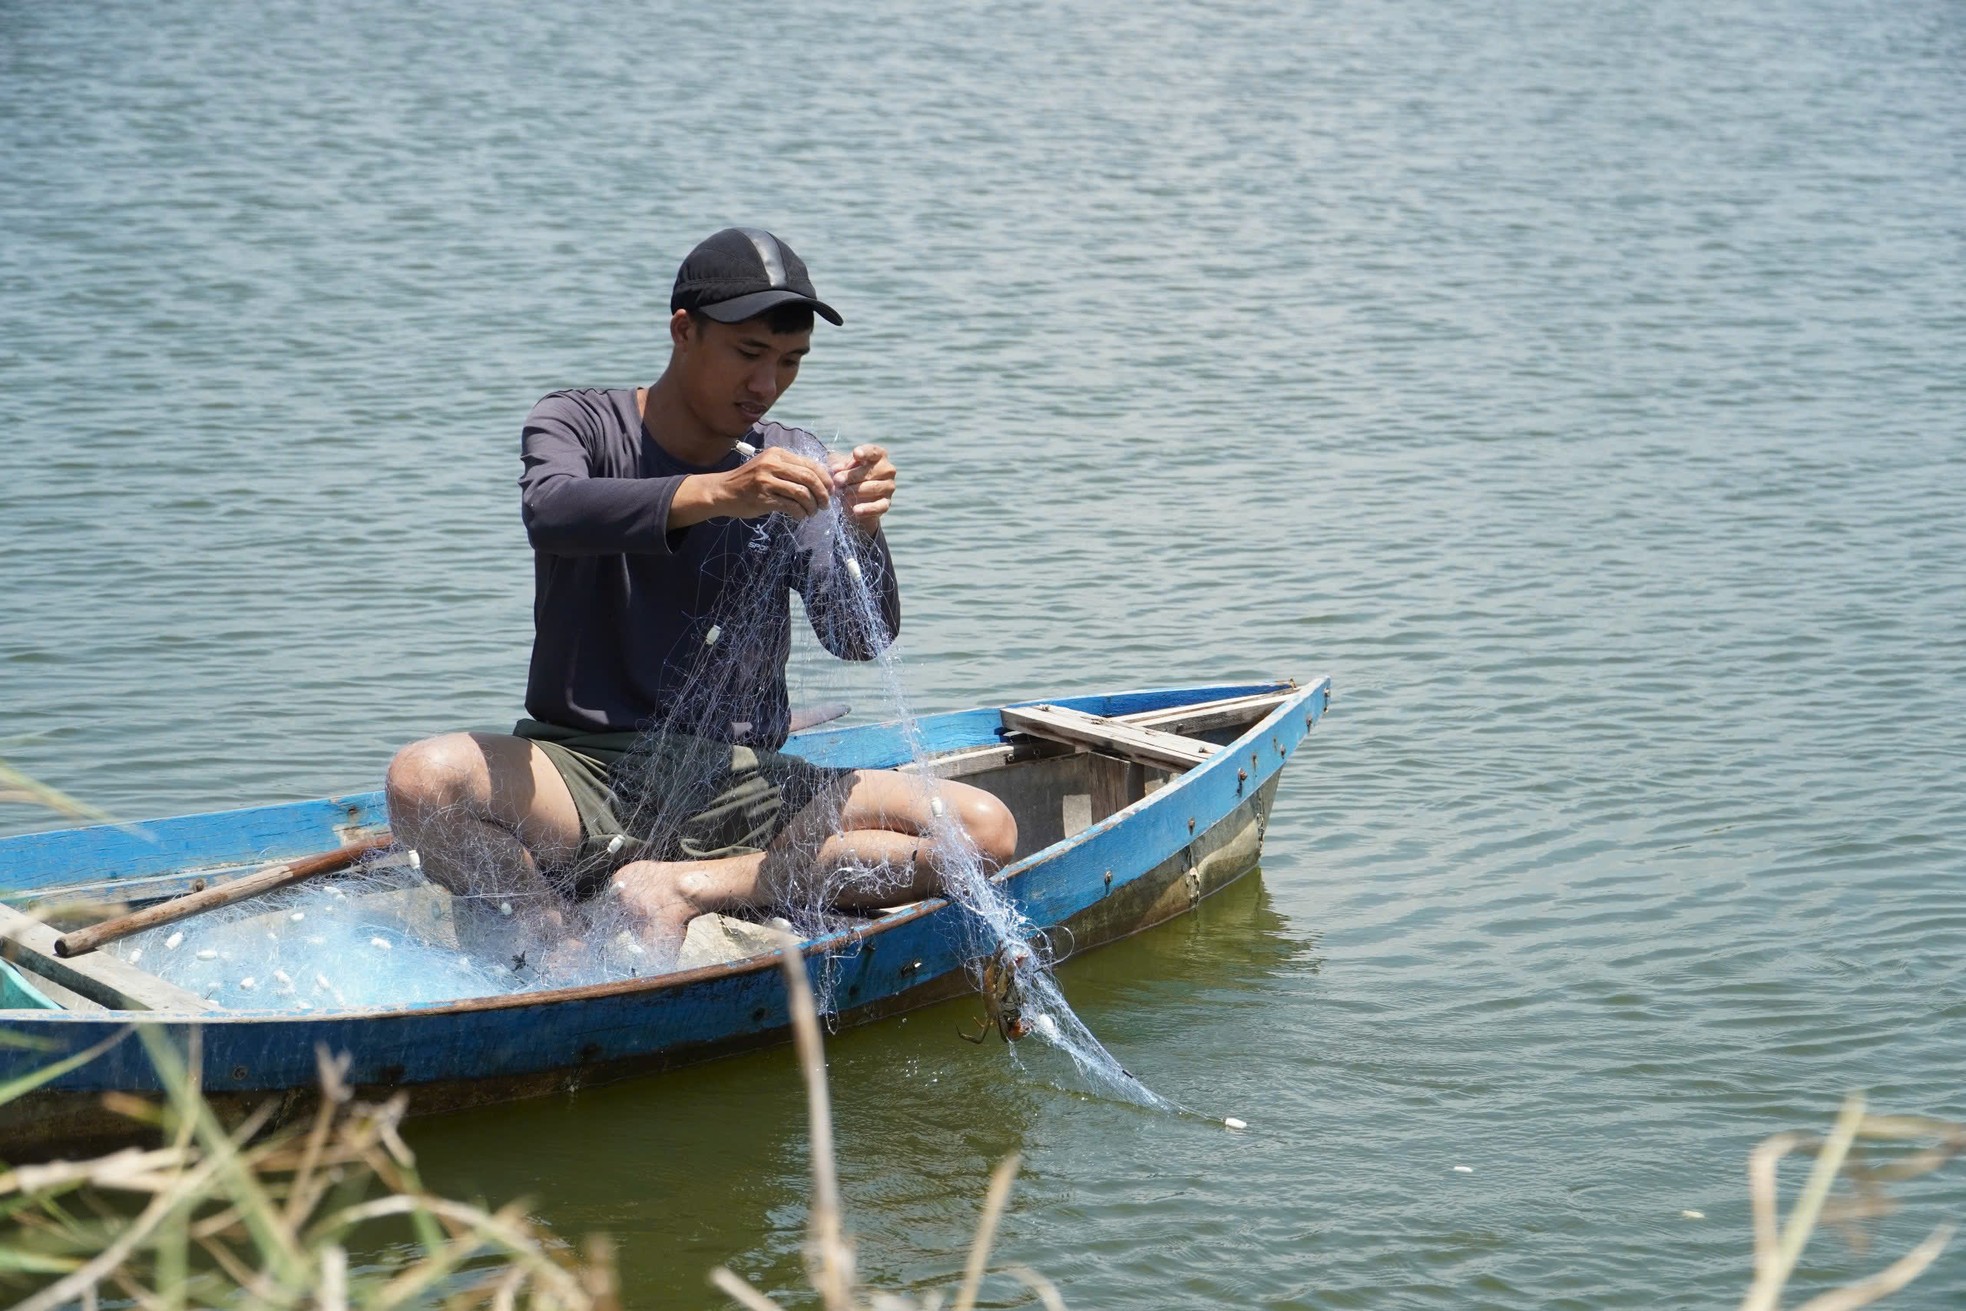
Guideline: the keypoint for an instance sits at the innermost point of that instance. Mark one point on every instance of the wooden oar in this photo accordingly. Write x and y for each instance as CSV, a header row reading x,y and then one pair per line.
x,y
259,882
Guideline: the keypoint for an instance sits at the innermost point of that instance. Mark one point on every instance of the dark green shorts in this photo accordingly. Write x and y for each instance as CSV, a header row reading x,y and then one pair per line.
x,y
653,796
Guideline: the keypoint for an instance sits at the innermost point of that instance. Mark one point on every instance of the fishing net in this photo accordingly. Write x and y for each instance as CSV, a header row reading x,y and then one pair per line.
x,y
380,935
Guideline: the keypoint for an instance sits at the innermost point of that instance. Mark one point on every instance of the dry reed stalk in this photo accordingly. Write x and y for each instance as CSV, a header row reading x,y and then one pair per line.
x,y
986,1231
829,1256
829,1251
1046,1290
17,788
1778,1246
741,1292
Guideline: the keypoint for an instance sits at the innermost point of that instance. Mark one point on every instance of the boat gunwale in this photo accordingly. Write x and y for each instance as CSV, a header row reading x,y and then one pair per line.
x,y
827,745
1178,783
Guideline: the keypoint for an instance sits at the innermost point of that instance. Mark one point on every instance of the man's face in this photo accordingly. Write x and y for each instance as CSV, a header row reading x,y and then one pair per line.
x,y
733,372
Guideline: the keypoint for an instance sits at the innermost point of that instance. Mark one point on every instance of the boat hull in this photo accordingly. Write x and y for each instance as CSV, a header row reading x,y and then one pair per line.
x,y
1149,861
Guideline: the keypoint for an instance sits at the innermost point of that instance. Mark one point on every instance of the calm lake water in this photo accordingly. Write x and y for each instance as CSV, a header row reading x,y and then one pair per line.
x,y
1583,387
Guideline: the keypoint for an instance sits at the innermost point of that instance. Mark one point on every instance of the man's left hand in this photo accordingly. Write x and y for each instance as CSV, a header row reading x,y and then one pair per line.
x,y
864,480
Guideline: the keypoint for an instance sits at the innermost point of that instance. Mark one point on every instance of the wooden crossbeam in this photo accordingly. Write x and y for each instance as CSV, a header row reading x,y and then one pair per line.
x,y
1146,746
1207,716
979,760
117,984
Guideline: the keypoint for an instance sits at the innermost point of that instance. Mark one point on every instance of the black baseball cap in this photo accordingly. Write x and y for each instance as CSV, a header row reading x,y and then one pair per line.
x,y
740,273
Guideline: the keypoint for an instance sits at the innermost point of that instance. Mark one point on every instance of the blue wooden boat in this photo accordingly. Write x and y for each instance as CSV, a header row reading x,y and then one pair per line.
x,y
1131,808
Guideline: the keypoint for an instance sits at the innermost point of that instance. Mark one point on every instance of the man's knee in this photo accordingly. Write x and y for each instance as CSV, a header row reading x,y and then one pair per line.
x,y
435,773
991,827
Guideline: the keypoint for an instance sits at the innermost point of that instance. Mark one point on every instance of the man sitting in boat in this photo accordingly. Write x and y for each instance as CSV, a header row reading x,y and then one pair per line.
x,y
669,526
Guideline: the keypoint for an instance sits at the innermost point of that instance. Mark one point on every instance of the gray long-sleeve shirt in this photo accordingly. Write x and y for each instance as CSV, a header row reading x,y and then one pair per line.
x,y
637,626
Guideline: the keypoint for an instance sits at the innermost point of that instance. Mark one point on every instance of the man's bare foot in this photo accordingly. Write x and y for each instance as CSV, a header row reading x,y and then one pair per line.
x,y
661,897
562,963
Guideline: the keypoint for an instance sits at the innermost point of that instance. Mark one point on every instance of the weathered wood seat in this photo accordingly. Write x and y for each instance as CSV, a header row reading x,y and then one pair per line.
x,y
1128,741
1237,713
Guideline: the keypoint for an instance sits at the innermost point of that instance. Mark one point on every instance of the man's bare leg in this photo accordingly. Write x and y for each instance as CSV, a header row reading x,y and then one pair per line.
x,y
880,824
484,812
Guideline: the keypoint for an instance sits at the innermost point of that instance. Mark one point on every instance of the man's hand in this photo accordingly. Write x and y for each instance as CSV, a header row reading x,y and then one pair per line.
x,y
865,482
774,481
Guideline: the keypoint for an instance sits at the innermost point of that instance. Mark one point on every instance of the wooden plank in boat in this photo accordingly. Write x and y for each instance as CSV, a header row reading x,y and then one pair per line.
x,y
113,983
1232,712
961,764
1148,746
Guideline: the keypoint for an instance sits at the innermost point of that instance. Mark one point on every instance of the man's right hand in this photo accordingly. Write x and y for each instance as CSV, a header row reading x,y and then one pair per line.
x,y
774,481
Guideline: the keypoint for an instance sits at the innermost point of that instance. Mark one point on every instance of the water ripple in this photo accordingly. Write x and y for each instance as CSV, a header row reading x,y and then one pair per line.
x,y
1580,385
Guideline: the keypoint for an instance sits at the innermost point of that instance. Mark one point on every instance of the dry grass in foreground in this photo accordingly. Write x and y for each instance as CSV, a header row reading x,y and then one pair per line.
x,y
248,1219
1776,1253
223,1220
